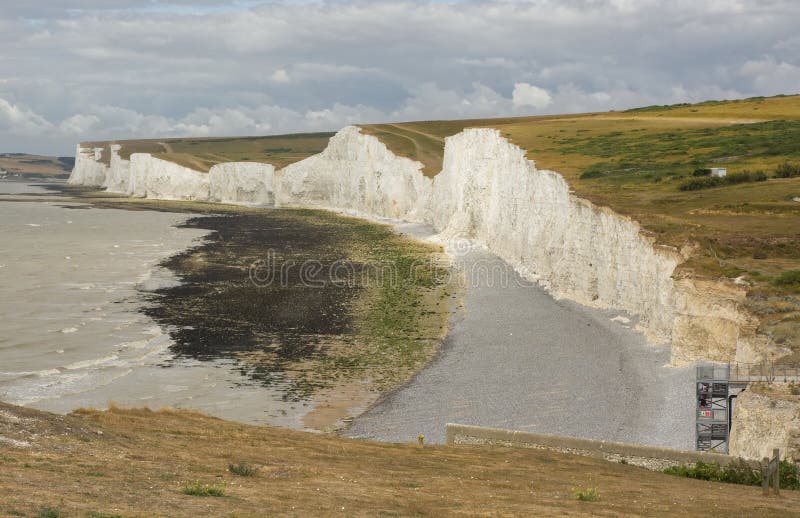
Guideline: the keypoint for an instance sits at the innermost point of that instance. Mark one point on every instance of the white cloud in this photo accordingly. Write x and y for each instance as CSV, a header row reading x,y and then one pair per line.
x,y
770,76
280,76
530,95
79,124
88,69
21,121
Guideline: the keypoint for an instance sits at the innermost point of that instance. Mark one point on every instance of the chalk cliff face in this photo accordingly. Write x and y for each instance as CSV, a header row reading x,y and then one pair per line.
x,y
119,172
762,423
357,173
242,182
487,192
88,170
152,177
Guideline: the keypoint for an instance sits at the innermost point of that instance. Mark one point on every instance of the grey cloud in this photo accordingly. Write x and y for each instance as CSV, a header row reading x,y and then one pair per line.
x,y
97,69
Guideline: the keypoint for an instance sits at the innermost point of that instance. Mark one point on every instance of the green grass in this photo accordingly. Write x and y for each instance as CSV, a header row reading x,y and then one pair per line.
x,y
636,156
588,494
198,489
707,182
789,279
787,170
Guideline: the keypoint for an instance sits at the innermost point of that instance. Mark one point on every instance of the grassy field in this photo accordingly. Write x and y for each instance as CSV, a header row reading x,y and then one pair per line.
x,y
36,165
171,463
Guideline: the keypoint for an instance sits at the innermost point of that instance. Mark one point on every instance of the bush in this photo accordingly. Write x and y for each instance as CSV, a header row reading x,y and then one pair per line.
x,y
49,512
787,170
242,469
706,182
198,489
790,278
745,177
737,472
585,495
701,171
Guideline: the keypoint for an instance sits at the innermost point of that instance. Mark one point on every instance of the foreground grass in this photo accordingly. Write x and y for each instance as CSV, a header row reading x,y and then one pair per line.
x,y
138,463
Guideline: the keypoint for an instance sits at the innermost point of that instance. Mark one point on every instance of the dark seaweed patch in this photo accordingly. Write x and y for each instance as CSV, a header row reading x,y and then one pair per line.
x,y
218,312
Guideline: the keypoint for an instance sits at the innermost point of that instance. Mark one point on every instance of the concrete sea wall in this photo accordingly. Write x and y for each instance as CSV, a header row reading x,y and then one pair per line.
x,y
488,193
656,459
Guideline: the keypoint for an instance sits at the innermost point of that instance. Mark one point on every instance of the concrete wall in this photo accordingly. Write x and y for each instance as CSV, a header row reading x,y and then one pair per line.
x,y
649,457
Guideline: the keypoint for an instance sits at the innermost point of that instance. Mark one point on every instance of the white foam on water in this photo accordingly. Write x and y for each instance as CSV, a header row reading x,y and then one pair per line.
x,y
62,338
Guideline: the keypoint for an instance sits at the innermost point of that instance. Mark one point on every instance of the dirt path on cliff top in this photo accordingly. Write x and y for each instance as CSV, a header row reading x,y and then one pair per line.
x,y
516,358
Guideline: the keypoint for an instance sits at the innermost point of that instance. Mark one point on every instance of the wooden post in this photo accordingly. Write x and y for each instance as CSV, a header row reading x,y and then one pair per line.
x,y
776,454
772,468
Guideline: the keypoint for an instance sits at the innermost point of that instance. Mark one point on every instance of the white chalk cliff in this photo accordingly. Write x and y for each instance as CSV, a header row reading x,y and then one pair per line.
x,y
487,192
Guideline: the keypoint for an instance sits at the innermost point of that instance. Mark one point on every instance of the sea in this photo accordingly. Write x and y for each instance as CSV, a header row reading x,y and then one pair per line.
x,y
73,281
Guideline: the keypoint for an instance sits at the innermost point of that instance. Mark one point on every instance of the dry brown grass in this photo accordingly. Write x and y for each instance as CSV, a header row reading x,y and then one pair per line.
x,y
137,463
38,165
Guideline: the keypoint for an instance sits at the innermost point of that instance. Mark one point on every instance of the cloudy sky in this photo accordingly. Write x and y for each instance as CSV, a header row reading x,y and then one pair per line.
x,y
75,70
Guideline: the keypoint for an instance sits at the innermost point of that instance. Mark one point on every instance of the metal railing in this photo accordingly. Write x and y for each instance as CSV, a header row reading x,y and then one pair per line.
x,y
764,372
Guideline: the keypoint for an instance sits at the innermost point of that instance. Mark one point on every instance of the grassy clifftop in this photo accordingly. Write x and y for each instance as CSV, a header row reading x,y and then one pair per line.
x,y
201,154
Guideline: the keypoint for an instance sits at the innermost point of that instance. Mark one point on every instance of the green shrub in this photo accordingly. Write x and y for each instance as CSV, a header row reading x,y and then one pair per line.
x,y
49,512
198,489
701,171
706,182
745,177
242,469
790,278
787,170
737,472
585,495
703,182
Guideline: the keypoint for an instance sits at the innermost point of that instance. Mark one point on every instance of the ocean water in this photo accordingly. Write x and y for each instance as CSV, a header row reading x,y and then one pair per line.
x,y
72,282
